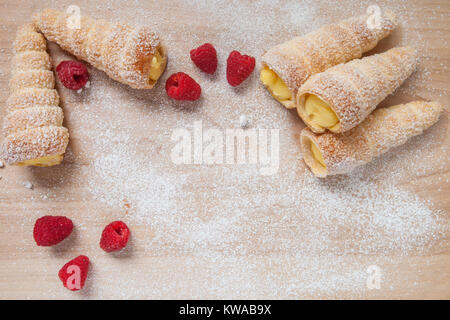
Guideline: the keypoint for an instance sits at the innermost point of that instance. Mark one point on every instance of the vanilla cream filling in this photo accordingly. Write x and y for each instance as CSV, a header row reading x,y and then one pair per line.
x,y
317,154
320,113
275,85
43,161
156,66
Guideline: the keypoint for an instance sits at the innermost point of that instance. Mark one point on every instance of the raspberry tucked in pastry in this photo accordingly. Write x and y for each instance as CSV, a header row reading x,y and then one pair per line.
x,y
133,56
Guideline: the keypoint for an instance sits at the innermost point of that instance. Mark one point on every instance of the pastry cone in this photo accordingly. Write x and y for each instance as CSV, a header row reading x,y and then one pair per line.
x,y
33,129
133,56
287,66
330,154
341,97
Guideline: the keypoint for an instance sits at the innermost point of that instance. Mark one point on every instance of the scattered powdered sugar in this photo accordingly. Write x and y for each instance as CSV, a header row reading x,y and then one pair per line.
x,y
120,175
226,231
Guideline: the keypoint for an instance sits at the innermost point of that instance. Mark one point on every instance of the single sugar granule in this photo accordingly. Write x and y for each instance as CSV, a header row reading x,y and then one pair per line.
x,y
28,185
243,121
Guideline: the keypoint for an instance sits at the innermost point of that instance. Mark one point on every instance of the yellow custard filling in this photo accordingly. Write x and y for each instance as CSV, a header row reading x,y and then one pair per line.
x,y
42,162
320,113
317,154
275,85
156,66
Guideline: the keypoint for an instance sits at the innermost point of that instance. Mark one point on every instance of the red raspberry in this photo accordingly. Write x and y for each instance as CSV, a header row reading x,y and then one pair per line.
x,y
50,230
114,236
74,273
73,74
239,68
205,57
182,87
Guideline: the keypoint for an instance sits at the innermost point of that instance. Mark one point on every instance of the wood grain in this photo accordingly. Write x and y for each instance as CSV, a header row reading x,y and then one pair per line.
x,y
166,271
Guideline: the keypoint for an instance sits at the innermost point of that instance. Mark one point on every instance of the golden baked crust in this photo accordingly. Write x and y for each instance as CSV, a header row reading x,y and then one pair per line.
x,y
31,60
40,79
30,97
34,117
35,143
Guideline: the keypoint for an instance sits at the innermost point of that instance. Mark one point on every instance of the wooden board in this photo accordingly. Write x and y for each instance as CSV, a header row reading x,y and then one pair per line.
x,y
226,231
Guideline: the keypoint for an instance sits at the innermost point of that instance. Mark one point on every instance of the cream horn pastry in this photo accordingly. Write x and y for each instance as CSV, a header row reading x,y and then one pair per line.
x,y
287,66
341,97
133,56
330,154
34,135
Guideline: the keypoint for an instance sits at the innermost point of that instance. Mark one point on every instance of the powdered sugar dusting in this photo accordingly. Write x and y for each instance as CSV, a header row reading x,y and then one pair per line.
x,y
204,231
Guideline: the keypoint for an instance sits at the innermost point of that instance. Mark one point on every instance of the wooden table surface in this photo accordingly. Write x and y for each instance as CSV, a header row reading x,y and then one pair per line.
x,y
226,231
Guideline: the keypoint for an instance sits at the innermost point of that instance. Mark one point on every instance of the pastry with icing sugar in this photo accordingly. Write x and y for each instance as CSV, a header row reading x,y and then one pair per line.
x,y
287,66
133,56
330,154
34,135
341,97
